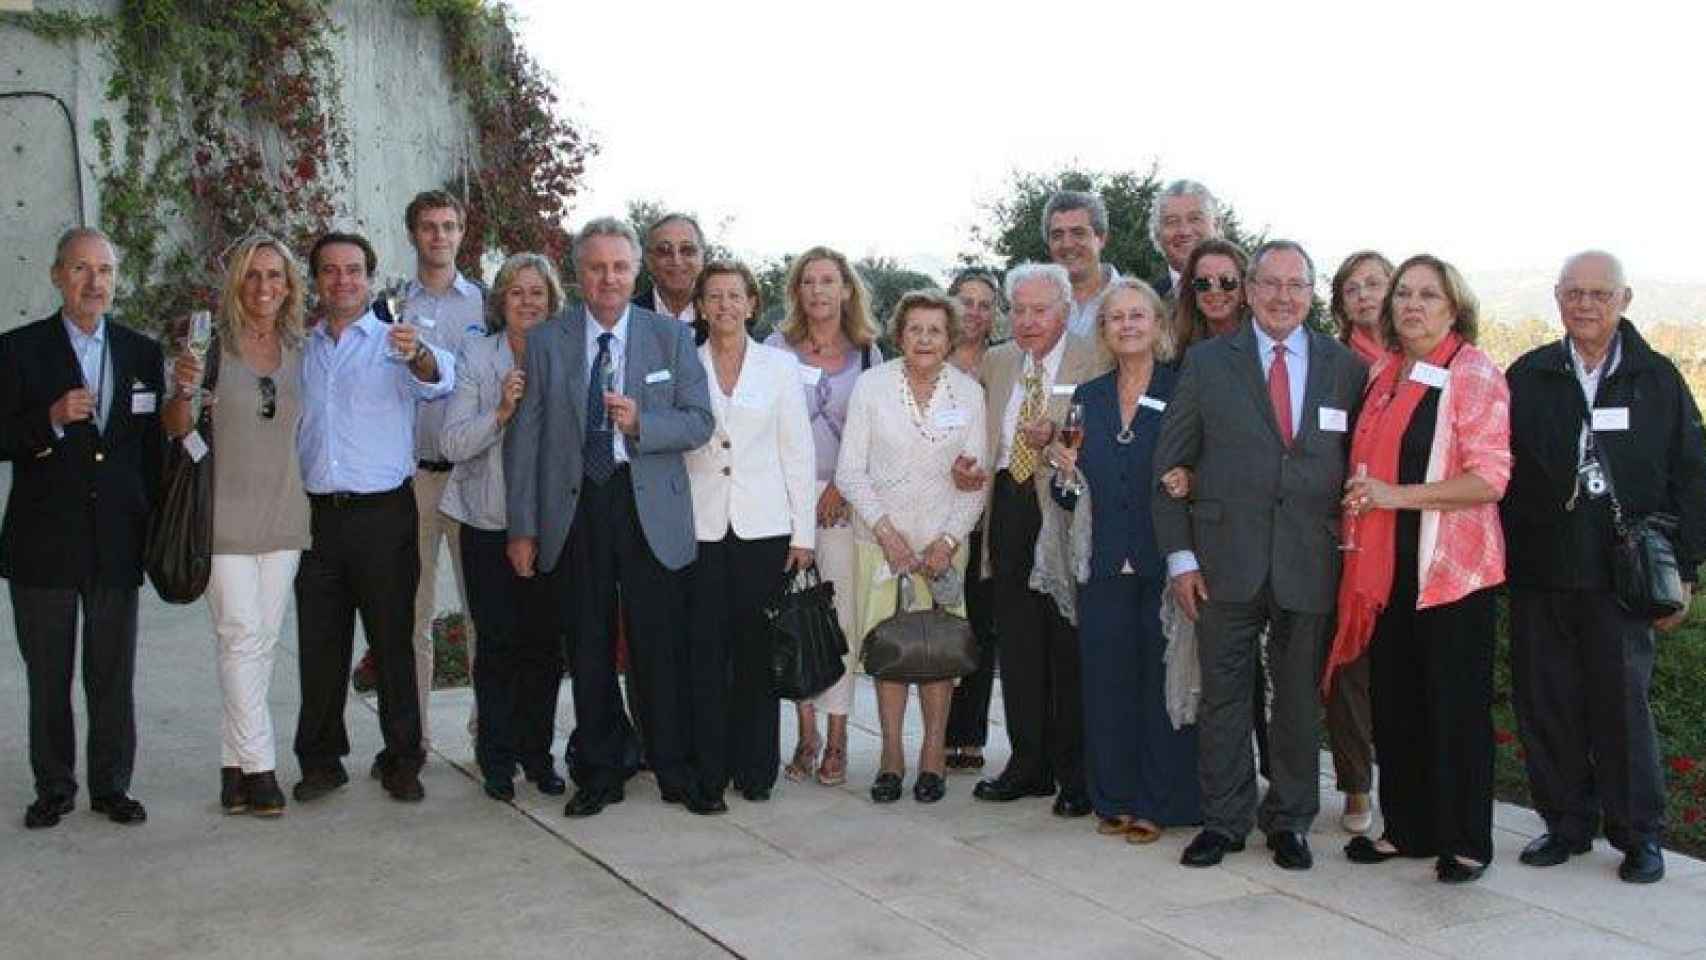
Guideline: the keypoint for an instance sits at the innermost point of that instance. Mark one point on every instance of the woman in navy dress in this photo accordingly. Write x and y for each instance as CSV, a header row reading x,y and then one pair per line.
x,y
1142,772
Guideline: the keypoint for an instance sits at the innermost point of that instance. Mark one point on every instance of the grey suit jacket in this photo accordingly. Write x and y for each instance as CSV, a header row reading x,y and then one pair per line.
x,y
1258,510
542,449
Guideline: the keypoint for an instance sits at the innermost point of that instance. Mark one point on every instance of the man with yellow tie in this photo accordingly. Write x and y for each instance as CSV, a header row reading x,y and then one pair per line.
x,y
1029,382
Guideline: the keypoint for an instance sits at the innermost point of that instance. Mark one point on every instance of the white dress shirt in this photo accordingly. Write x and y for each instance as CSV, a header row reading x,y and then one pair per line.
x,y
1010,417
618,358
687,314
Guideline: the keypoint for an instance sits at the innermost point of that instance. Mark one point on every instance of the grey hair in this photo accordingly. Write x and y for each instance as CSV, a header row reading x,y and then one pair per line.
x,y
1165,345
606,227
1182,188
505,279
1274,246
75,234
677,217
1062,201
1617,275
1052,273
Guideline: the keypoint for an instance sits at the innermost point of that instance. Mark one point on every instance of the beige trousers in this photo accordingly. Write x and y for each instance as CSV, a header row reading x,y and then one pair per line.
x,y
432,529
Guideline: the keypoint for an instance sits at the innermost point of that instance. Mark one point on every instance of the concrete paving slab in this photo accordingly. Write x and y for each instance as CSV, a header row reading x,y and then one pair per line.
x,y
1533,934
1277,927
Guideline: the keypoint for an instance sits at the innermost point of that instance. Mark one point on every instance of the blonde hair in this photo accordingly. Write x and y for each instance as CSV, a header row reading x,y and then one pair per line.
x,y
856,320
505,279
1165,345
232,318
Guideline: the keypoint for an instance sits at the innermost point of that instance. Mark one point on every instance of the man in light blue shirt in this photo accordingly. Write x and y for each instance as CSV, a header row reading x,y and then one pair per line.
x,y
361,382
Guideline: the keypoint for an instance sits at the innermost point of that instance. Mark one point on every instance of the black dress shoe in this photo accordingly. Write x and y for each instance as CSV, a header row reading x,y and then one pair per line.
x,y
1071,804
590,801
548,782
1208,847
704,803
1644,863
1004,789
1453,870
672,795
377,771
886,789
265,797
1551,849
929,788
755,794
317,783
1363,850
120,808
1291,850
232,798
46,811
404,785
499,789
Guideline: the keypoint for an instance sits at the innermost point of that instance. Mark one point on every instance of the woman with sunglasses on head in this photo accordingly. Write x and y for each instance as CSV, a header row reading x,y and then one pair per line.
x,y
1211,294
260,513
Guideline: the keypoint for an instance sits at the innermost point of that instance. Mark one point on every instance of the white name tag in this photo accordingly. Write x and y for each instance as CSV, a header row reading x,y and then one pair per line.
x,y
1152,403
425,323
1063,389
1429,375
195,446
1611,418
657,376
810,375
1332,420
143,402
949,419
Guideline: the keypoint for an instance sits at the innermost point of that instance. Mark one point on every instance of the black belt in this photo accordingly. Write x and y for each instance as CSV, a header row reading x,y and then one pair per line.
x,y
343,499
436,466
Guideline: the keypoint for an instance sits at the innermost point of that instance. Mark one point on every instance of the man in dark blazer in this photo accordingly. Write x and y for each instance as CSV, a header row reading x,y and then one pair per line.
x,y
1263,418
80,398
598,500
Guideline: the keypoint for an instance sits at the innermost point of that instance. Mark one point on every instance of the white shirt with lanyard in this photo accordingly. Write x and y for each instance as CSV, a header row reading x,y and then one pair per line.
x,y
1591,475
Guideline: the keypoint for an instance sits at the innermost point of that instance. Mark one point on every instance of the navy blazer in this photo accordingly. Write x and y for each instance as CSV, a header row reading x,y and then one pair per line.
x,y
1122,526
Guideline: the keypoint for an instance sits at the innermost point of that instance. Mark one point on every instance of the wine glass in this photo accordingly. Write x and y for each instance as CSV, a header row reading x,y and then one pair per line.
x,y
1072,434
1351,519
197,342
395,305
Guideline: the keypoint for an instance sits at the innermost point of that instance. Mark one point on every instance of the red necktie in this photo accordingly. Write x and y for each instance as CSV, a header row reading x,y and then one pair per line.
x,y
1279,392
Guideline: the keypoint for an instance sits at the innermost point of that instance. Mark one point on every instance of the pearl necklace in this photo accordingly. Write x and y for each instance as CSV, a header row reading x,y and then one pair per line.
x,y
939,390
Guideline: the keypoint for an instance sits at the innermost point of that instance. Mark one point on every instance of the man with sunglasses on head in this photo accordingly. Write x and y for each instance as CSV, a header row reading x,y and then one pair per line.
x,y
362,380
1184,214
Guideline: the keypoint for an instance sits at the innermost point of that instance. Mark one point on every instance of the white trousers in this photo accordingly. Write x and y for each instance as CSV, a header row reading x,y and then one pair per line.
x,y
835,563
246,594
432,529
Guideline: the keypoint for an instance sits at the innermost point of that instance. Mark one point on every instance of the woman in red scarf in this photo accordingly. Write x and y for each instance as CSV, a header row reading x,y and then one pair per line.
x,y
1359,287
1430,459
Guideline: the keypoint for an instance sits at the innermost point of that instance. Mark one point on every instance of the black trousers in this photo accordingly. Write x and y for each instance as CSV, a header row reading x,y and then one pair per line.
x,y
968,716
46,620
607,552
519,669
1581,669
735,723
1431,688
1229,651
364,558
1040,678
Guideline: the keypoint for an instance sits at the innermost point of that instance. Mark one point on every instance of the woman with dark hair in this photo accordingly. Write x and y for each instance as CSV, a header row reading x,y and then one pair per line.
x,y
1430,458
1211,294
518,672
753,510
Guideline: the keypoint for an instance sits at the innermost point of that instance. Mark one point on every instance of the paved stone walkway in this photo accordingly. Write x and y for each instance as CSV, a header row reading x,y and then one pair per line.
x,y
816,872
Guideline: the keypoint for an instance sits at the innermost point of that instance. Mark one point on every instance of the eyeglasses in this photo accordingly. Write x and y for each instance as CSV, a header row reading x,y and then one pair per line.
x,y
269,398
663,251
1271,287
1374,288
1600,298
1227,283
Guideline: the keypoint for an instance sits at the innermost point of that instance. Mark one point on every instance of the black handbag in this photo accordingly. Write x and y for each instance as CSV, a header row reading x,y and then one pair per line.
x,y
920,646
807,646
1643,564
179,555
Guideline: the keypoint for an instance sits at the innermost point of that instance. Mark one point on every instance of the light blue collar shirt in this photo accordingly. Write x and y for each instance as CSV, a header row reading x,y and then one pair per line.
x,y
358,409
618,356
445,320
96,362
1296,365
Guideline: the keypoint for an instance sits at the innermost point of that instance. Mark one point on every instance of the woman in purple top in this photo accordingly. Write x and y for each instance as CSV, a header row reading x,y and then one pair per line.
x,y
828,326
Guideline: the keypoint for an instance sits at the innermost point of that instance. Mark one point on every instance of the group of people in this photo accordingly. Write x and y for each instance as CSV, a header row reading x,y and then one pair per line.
x,y
1175,515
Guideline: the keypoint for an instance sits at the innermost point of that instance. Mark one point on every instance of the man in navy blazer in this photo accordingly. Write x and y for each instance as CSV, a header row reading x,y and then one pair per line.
x,y
598,500
80,397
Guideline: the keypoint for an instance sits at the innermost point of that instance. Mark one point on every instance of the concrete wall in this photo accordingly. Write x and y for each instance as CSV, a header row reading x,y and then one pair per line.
x,y
407,134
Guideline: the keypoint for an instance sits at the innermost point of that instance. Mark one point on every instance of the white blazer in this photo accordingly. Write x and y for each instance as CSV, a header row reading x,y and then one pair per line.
x,y
756,474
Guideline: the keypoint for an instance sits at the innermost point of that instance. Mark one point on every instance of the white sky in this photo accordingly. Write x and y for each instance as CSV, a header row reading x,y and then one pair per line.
x,y
1500,135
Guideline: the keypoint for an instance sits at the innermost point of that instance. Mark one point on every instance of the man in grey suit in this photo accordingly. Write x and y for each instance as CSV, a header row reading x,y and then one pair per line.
x,y
598,501
1262,416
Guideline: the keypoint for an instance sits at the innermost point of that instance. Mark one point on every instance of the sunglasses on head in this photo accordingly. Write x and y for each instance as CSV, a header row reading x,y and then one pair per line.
x,y
269,398
1205,284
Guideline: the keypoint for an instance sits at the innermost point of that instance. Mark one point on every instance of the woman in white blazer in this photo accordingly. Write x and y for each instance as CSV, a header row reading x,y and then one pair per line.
x,y
754,509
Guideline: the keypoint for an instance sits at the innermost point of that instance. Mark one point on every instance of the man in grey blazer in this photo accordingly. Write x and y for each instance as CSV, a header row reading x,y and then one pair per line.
x,y
1262,417
598,501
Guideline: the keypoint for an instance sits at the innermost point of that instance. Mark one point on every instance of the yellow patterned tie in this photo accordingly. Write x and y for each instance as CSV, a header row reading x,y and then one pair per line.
x,y
1023,460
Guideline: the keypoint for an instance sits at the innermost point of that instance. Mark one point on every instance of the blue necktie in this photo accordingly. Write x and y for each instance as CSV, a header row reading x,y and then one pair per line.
x,y
598,455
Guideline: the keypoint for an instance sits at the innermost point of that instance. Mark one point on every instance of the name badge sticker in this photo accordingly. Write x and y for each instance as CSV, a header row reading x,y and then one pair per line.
x,y
810,375
1427,374
657,376
144,401
949,419
1147,401
1063,389
1610,419
195,446
424,322
1333,420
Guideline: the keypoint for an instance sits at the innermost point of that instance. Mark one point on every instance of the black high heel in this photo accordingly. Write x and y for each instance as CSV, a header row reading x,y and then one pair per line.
x,y
886,789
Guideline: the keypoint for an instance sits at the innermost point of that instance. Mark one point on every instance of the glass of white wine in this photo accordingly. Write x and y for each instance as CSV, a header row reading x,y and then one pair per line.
x,y
198,341
396,305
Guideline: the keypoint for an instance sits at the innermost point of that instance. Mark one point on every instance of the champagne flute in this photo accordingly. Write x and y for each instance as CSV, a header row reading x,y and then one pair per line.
x,y
1072,434
198,342
1351,520
395,304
